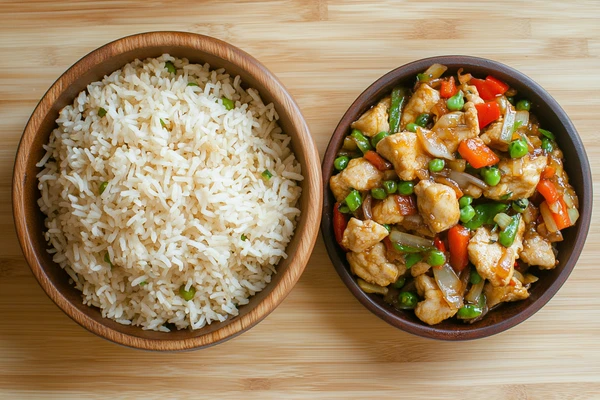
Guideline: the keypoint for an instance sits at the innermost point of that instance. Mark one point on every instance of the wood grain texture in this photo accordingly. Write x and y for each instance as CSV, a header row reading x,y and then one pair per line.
x,y
320,343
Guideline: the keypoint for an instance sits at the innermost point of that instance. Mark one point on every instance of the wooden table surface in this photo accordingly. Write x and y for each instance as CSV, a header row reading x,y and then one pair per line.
x,y
320,342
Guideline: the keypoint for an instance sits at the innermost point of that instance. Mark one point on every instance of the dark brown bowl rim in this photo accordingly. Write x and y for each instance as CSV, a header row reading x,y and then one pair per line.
x,y
368,97
299,259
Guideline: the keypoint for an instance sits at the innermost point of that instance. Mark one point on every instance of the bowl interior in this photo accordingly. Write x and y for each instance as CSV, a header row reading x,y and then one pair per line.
x,y
197,49
553,118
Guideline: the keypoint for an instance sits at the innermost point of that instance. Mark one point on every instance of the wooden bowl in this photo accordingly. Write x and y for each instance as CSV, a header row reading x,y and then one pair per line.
x,y
93,67
577,166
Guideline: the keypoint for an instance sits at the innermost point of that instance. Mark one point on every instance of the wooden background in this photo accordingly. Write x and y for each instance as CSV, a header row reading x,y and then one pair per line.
x,y
320,342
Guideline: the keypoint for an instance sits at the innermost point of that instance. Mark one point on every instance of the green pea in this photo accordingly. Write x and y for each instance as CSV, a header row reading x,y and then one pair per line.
x,y
518,148
547,145
474,277
411,127
187,295
491,175
436,258
344,209
399,283
520,205
411,259
456,102
101,112
466,214
390,186
266,174
378,138
469,311
523,105
102,187
408,300
464,201
227,103
436,165
170,67
341,163
386,226
422,120
378,193
406,188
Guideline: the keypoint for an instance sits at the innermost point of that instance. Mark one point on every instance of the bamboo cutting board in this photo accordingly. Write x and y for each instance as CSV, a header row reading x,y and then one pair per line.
x,y
320,342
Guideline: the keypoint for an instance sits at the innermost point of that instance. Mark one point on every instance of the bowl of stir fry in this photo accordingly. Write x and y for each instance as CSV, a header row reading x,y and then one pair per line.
x,y
458,197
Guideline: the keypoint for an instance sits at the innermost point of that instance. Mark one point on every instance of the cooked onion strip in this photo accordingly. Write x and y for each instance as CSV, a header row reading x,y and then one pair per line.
x,y
463,179
509,122
548,218
432,144
366,207
475,291
449,284
406,239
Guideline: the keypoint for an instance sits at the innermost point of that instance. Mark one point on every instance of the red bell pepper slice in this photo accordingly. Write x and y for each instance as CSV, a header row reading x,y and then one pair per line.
x,y
439,244
377,161
548,190
406,204
339,225
448,88
458,240
477,153
487,113
489,88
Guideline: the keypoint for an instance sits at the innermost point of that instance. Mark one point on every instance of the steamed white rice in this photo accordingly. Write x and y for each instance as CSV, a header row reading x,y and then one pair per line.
x,y
185,204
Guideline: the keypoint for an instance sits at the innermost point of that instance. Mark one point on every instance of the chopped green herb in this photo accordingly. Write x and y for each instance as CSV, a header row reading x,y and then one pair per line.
x,y
267,174
170,67
102,187
162,123
227,103
244,237
143,283
192,84
506,196
107,260
546,133
101,112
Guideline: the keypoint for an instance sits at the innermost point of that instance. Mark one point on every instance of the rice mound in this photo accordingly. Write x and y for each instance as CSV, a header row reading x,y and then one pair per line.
x,y
185,206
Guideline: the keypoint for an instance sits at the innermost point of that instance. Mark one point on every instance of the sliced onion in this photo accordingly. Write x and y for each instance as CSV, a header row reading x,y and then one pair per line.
x,y
475,291
529,215
433,144
463,179
450,120
407,239
522,118
366,207
573,215
435,71
530,279
568,199
548,218
450,183
449,284
457,165
371,288
519,276
502,219
509,123
555,207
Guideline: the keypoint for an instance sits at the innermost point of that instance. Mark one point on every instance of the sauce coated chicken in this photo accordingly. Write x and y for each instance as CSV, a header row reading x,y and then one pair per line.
x,y
451,197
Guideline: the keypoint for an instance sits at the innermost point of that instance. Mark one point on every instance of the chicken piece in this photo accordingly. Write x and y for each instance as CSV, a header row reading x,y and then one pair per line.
x,y
492,260
424,98
520,177
434,309
537,251
471,119
473,191
414,223
491,136
360,235
438,205
373,266
359,174
471,93
374,120
390,175
499,294
405,152
387,211
419,268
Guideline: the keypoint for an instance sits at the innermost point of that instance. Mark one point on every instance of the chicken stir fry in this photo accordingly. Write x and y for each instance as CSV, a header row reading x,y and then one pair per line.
x,y
451,197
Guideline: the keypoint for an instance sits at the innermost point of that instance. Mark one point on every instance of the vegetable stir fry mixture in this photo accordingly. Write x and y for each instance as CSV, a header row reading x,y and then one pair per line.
x,y
450,197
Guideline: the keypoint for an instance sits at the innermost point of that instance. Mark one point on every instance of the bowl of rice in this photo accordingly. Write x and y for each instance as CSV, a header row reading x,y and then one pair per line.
x,y
167,191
